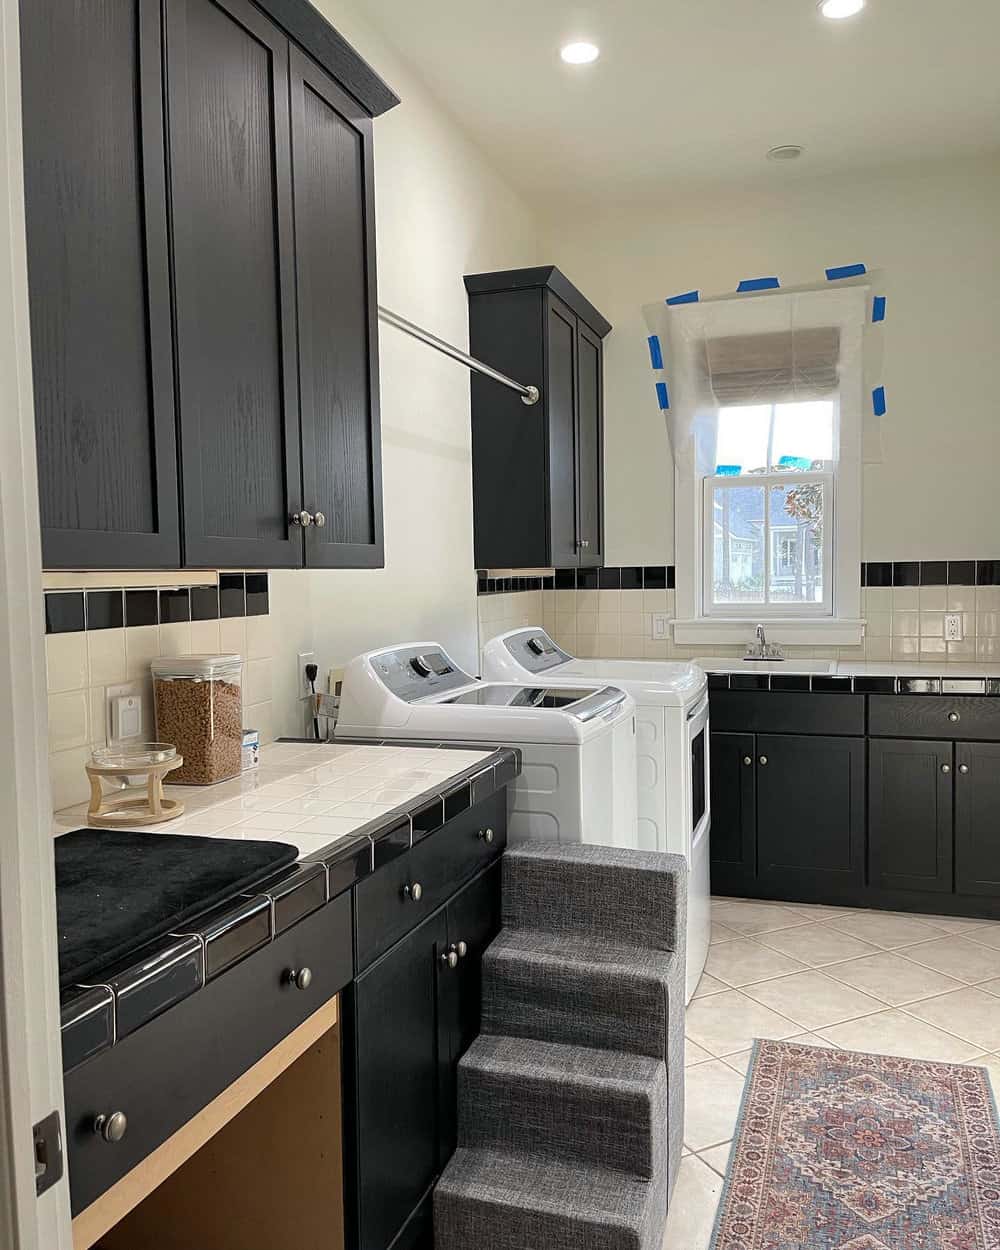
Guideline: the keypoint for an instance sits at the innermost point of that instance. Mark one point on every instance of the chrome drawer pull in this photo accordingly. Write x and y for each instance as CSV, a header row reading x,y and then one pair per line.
x,y
414,892
301,978
486,835
450,958
954,717
462,949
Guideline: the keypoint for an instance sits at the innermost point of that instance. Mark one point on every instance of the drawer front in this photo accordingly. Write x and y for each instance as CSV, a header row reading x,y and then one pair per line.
x,y
386,909
166,1072
934,716
783,712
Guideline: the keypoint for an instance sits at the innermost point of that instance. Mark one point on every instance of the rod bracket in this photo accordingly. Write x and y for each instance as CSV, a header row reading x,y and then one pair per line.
x,y
532,397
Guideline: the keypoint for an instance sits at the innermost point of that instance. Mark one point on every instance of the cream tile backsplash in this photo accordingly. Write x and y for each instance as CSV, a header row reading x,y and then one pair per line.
x,y
903,623
81,665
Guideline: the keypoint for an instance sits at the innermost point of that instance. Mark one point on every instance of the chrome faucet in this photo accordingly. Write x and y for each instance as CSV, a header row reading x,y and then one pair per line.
x,y
764,650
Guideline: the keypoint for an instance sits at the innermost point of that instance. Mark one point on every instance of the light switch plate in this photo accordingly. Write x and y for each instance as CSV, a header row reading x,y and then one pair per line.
x,y
661,621
124,712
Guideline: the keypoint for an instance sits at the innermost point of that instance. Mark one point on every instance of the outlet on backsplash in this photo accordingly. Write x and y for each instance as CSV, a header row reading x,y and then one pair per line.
x,y
953,627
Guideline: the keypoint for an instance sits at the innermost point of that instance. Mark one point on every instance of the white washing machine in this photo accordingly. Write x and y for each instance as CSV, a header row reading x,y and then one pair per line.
x,y
577,741
671,749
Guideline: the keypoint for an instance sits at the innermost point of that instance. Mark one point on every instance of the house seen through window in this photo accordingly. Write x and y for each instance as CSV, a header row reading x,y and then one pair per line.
x,y
768,509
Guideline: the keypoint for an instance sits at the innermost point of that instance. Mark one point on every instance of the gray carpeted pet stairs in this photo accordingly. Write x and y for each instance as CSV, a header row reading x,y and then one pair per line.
x,y
571,1102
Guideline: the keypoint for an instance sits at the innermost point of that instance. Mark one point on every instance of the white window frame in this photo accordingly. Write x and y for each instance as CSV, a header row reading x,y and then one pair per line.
x,y
844,626
764,482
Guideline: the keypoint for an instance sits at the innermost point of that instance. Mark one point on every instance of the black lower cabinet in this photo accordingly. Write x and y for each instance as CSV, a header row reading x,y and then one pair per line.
x,y
910,791
734,812
413,1013
977,818
810,811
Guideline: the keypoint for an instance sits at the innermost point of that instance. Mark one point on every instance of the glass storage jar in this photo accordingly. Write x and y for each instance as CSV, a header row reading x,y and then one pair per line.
x,y
199,709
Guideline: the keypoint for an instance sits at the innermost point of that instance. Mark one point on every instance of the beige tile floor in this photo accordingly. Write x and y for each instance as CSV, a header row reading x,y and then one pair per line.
x,y
892,983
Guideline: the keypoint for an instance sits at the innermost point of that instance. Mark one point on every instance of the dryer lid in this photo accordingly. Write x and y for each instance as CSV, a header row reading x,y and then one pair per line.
x,y
583,703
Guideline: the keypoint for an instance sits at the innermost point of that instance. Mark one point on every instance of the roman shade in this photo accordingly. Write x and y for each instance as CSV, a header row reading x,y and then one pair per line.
x,y
788,365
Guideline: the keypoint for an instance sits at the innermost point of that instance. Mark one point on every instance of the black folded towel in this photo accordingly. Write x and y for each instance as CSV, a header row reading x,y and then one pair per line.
x,y
116,891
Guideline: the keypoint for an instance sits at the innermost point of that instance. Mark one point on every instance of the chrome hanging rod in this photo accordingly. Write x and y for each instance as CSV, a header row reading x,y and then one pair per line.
x,y
529,394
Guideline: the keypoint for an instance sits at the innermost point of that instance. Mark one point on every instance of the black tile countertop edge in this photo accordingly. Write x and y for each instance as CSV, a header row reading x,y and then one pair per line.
x,y
108,1008
857,685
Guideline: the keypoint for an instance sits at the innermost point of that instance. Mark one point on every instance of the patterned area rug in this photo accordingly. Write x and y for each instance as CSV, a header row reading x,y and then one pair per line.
x,y
840,1150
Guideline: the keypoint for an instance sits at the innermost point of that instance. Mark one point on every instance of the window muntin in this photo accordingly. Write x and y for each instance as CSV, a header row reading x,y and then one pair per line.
x,y
770,544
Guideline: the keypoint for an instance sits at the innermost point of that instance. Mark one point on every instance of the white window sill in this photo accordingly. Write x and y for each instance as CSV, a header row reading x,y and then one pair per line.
x,y
787,631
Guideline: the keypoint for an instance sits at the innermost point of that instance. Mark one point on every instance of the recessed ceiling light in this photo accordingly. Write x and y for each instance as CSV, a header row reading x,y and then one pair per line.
x,y
837,9
785,152
580,53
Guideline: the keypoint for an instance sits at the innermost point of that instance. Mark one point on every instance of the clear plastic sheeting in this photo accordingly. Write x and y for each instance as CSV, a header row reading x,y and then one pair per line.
x,y
743,379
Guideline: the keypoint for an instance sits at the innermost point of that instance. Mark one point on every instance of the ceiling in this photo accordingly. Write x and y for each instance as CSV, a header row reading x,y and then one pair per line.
x,y
693,92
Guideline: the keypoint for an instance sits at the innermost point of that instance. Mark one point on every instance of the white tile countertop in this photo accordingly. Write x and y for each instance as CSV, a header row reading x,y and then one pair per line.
x,y
307,794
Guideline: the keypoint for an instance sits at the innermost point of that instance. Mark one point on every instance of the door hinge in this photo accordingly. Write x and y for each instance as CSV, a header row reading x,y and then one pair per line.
x,y
48,1152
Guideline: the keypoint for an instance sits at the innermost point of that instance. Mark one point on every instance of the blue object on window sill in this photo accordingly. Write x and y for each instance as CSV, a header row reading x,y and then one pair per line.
x,y
794,462
728,470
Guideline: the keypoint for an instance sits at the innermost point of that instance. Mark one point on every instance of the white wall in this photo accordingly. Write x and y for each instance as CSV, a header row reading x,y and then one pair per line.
x,y
934,229
442,212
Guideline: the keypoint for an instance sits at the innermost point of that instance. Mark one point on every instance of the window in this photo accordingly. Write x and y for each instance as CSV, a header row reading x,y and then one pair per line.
x,y
768,508
766,428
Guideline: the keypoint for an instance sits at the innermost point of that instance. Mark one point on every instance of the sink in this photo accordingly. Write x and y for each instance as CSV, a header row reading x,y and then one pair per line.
x,y
733,664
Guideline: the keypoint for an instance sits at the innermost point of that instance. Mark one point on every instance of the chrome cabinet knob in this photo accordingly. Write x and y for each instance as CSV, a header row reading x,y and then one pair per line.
x,y
963,769
747,760
486,835
450,958
462,950
111,1128
954,717
414,892
946,768
303,519
319,520
301,978
763,759
584,543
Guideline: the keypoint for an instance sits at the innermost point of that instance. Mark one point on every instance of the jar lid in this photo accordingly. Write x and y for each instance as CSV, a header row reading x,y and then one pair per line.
x,y
195,665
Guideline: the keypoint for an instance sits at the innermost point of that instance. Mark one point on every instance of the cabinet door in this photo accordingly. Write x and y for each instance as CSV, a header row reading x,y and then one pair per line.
x,y
99,282
397,1075
977,818
333,177
733,805
473,922
590,443
810,812
910,814
561,373
235,284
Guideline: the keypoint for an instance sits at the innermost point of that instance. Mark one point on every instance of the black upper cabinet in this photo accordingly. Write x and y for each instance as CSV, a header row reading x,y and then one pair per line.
x,y
262,306
333,177
538,491
231,196
99,282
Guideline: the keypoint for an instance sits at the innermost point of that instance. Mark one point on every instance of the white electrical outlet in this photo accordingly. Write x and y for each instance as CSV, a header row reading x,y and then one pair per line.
x,y
660,623
305,657
953,628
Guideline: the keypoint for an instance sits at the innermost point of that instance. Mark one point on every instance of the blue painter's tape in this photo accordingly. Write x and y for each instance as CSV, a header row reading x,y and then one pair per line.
x,y
757,284
728,470
845,271
662,398
878,401
655,355
689,297
878,308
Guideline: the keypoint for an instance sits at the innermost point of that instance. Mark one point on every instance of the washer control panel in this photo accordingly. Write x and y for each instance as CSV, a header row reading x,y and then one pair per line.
x,y
415,672
534,650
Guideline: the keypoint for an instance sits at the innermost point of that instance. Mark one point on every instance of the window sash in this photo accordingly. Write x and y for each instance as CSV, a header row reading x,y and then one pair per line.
x,y
765,481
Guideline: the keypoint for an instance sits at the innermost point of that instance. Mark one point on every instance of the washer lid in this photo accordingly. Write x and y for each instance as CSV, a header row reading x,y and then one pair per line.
x,y
582,703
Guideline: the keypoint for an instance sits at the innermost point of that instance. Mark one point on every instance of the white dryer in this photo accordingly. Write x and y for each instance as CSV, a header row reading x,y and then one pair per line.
x,y
671,749
577,741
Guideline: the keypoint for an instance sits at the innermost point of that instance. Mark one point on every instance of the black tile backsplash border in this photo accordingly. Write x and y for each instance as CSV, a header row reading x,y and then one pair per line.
x,y
874,573
847,684
243,594
609,577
